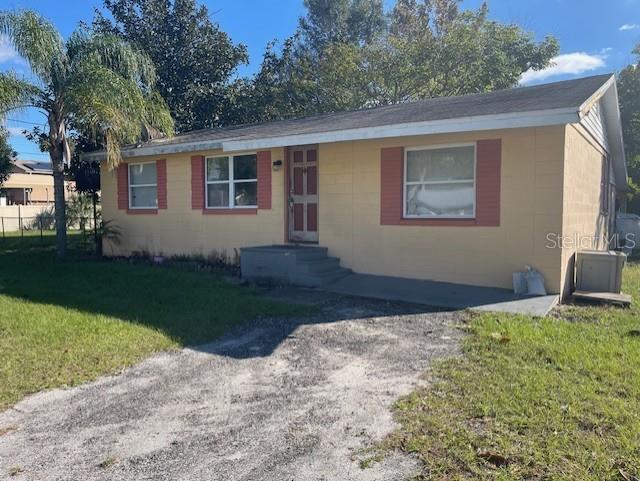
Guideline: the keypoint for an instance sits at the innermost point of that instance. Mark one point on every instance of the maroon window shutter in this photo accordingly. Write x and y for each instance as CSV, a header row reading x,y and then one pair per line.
x,y
122,175
197,182
264,179
488,165
161,173
391,173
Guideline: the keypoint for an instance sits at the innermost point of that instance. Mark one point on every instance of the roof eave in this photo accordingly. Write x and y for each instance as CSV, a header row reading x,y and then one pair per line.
x,y
145,150
536,118
608,96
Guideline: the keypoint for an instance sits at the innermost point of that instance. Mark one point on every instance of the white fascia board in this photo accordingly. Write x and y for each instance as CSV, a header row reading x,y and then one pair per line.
x,y
461,124
587,104
158,150
613,125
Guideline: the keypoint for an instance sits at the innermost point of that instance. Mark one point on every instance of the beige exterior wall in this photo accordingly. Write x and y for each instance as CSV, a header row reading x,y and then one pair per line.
x,y
179,230
531,206
41,185
584,224
349,211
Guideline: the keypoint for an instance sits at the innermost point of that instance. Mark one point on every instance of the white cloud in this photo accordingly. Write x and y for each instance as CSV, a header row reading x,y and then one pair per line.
x,y
628,26
7,53
574,63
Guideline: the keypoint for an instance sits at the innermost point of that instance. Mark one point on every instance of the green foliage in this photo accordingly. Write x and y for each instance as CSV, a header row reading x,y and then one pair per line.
x,y
7,156
194,60
79,210
629,97
64,323
97,81
348,55
533,399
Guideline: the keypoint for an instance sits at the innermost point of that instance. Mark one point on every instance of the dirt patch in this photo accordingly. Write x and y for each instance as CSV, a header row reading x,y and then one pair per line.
x,y
276,400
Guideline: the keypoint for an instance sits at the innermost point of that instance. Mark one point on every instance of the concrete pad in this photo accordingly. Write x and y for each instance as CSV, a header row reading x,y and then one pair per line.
x,y
442,294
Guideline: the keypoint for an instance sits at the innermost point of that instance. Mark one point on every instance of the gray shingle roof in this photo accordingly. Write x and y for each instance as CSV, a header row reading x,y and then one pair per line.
x,y
557,95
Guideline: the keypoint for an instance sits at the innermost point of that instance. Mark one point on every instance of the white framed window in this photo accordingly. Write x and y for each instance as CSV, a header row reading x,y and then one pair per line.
x,y
231,181
143,185
440,182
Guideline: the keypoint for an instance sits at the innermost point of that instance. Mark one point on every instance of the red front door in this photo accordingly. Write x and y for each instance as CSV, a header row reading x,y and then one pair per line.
x,y
303,194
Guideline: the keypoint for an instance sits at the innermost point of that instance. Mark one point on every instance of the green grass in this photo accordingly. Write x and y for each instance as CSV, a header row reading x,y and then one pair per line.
x,y
533,399
66,322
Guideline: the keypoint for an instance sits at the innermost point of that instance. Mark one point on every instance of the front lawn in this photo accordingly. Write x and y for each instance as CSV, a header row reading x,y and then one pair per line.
x,y
64,323
534,399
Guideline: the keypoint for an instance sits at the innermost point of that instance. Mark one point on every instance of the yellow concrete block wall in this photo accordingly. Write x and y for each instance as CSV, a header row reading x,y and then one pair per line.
x,y
584,223
180,230
549,187
531,206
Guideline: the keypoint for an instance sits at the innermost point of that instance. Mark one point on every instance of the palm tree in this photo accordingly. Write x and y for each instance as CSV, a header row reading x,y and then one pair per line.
x,y
96,82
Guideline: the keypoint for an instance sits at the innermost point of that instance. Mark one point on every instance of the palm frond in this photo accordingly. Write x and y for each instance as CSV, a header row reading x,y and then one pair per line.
x,y
114,53
157,115
104,101
37,41
16,93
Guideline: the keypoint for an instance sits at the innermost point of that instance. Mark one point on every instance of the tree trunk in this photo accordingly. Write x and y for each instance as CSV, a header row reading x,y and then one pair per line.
x,y
57,163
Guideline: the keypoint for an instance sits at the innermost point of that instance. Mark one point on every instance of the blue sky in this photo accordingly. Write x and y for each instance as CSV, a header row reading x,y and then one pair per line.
x,y
592,39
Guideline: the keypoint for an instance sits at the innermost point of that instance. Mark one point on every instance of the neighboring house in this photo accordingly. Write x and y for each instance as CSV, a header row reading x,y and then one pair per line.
x,y
461,189
30,182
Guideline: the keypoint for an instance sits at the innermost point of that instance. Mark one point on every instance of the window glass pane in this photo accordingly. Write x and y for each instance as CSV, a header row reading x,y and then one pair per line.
x,y
142,173
218,195
218,168
144,197
455,163
245,167
448,200
246,193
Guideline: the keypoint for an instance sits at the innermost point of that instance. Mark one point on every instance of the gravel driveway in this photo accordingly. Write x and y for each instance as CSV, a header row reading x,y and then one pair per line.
x,y
276,400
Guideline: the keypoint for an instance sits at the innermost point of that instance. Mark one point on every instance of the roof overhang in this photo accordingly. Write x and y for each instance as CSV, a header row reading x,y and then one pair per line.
x,y
608,97
536,118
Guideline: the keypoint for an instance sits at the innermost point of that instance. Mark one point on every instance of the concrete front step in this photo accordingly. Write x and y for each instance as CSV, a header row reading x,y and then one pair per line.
x,y
321,279
318,265
303,265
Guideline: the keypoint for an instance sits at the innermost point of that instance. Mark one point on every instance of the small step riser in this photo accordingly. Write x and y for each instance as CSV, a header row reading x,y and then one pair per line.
x,y
319,266
319,280
311,255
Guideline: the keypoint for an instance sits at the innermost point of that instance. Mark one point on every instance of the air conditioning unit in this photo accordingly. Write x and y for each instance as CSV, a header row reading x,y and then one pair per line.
x,y
599,271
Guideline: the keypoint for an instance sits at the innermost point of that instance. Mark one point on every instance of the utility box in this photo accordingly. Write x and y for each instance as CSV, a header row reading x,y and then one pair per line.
x,y
599,271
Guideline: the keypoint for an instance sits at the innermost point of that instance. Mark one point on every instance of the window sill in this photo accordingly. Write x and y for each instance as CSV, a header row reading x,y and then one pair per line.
x,y
142,211
432,221
232,211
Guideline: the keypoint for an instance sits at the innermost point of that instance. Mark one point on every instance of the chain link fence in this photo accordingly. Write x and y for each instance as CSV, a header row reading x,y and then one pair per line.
x,y
42,224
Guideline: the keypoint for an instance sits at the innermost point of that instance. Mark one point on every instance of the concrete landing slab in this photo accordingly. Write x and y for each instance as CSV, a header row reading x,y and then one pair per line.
x,y
603,298
442,294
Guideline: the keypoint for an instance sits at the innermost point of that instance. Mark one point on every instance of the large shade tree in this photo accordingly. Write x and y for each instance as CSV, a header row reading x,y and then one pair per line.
x,y
195,60
96,82
629,95
346,54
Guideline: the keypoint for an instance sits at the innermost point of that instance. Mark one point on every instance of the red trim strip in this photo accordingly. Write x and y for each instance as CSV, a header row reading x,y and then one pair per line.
x,y
197,182
264,179
248,211
122,179
161,172
142,211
